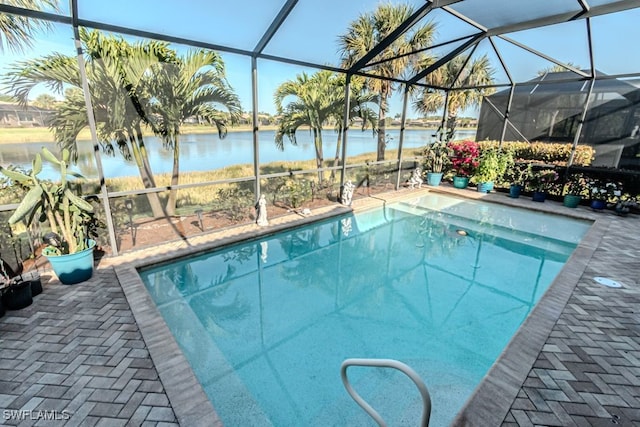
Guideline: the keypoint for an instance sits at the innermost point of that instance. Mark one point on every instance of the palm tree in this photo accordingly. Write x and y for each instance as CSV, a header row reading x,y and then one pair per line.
x,y
17,32
193,86
315,101
454,73
311,100
365,33
361,99
118,74
556,68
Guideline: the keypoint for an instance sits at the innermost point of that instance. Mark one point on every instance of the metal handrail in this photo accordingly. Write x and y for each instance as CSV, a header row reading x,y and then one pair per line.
x,y
386,363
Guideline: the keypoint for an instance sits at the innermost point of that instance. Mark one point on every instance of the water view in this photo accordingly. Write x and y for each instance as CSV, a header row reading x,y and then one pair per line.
x,y
202,152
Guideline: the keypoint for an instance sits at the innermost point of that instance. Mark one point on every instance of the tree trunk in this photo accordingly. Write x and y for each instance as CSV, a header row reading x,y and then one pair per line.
x,y
173,193
382,126
317,139
147,177
336,159
145,156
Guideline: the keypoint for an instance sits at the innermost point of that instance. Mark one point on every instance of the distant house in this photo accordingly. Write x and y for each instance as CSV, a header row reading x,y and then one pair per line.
x,y
550,112
14,115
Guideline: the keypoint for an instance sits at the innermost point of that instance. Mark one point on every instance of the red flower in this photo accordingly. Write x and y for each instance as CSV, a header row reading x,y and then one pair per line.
x,y
465,157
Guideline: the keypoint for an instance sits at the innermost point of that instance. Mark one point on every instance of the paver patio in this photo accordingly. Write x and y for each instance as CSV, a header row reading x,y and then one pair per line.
x,y
96,355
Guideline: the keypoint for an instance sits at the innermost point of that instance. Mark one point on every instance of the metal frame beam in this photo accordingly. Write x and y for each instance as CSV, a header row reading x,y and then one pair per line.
x,y
104,192
402,28
36,14
403,121
618,6
275,25
543,56
446,58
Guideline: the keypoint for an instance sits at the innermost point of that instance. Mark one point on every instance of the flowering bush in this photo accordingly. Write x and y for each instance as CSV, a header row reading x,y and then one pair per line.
x,y
465,157
544,180
606,191
577,185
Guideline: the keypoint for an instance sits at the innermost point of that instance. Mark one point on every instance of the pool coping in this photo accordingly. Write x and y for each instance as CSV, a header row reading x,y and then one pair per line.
x,y
502,382
188,399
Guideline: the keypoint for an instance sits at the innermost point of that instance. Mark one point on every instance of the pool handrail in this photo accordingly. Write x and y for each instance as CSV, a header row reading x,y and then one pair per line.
x,y
386,363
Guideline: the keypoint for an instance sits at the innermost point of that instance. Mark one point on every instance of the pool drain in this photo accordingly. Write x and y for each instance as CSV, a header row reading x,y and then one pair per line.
x,y
607,282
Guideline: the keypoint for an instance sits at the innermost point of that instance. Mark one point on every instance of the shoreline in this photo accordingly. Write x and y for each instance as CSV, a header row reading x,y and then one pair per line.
x,y
43,135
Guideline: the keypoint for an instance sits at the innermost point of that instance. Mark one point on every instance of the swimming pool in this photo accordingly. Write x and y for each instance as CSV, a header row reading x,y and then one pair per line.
x,y
265,324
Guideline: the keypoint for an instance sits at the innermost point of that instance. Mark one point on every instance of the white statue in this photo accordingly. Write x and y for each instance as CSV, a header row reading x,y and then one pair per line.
x,y
261,211
416,178
347,193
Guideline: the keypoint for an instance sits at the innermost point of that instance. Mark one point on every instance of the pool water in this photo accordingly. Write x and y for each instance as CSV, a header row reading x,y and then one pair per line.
x,y
437,282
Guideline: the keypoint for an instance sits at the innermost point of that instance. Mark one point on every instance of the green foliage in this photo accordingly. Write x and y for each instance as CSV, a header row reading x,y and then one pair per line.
x,y
12,191
235,202
55,202
493,165
437,157
519,173
294,192
542,152
544,180
577,184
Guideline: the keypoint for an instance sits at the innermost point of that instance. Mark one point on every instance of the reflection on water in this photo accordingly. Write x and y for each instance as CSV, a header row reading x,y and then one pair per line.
x,y
202,152
265,334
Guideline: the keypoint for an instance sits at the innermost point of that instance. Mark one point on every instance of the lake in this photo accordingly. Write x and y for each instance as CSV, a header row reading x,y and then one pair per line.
x,y
202,152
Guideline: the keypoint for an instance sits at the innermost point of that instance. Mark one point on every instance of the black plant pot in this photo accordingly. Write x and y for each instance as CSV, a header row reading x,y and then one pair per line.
x,y
36,283
36,287
2,309
17,296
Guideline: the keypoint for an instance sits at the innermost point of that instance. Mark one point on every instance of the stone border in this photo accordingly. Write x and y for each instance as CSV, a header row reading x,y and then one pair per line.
x,y
491,400
188,399
190,404
493,397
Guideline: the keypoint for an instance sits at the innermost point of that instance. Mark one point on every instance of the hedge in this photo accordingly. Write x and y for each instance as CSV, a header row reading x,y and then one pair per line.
x,y
542,152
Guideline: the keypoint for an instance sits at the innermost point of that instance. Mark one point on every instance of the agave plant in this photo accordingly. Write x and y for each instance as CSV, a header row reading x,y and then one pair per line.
x,y
68,215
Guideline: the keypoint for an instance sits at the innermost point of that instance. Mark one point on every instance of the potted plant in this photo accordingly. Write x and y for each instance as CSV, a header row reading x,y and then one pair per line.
x,y
492,165
70,218
602,192
464,161
436,159
542,182
517,175
575,187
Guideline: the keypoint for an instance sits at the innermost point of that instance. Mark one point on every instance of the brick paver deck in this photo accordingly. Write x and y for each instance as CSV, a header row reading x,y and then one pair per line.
x,y
76,355
98,354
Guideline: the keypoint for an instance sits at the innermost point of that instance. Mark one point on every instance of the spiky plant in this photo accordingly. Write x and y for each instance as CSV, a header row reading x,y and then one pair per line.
x,y
54,202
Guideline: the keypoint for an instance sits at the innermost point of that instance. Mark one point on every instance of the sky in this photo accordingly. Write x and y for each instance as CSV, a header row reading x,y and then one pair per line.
x,y
311,33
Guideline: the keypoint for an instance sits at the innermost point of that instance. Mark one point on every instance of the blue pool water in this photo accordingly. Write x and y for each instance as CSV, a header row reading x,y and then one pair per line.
x,y
265,324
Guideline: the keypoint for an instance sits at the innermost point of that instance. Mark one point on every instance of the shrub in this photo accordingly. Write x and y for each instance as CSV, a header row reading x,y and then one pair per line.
x,y
465,157
544,180
542,152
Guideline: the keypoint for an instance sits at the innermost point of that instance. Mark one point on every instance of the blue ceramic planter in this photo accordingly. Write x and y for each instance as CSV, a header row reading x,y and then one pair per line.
x,y
514,191
598,205
73,268
571,200
485,187
434,178
460,181
539,196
